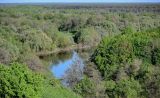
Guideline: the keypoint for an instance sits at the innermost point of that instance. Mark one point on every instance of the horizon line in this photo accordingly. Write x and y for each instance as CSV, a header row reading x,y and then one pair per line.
x,y
72,2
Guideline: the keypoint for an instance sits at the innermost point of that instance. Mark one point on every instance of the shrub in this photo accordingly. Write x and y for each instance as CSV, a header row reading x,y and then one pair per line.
x,y
18,81
88,36
85,87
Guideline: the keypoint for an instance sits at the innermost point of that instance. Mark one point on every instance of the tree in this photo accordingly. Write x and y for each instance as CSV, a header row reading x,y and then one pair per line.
x,y
36,39
63,39
128,60
74,74
88,36
128,89
18,81
85,87
70,24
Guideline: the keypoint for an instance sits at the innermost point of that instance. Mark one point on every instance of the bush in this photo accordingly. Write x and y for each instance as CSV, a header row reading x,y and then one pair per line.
x,y
18,81
36,39
32,61
63,39
85,87
5,57
126,61
88,36
128,88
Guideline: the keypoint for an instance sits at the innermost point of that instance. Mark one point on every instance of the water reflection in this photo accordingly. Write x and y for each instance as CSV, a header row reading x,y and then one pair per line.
x,y
64,67
68,66
54,59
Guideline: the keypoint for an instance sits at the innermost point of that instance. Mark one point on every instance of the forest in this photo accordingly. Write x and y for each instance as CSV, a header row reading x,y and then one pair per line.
x,y
125,62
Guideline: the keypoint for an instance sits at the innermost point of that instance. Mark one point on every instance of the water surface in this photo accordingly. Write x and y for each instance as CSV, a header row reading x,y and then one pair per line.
x,y
61,63
59,68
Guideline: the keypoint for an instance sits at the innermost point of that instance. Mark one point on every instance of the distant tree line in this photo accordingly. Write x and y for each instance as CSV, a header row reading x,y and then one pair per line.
x,y
127,57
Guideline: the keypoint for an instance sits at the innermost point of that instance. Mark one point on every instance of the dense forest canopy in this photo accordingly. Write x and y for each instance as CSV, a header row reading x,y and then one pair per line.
x,y
127,55
130,64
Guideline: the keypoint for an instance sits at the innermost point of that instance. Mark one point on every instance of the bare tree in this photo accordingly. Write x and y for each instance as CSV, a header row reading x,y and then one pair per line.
x,y
74,74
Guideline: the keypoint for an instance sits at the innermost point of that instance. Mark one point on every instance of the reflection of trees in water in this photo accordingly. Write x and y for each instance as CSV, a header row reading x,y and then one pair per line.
x,y
54,58
74,73
62,56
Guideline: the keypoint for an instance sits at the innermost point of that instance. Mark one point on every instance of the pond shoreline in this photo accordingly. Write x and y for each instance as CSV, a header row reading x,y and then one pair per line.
x,y
66,49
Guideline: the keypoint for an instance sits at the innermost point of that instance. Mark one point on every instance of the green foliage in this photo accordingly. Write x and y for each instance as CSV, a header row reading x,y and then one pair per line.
x,y
71,24
88,36
19,81
111,28
155,52
5,56
12,51
58,92
63,39
85,87
113,54
128,88
95,20
125,88
126,61
37,40
128,29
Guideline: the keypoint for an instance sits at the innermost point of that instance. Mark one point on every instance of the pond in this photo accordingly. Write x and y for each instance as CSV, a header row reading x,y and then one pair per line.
x,y
59,69
68,63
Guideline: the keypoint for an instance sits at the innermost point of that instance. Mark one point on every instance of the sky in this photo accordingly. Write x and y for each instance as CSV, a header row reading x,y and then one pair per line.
x,y
76,1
